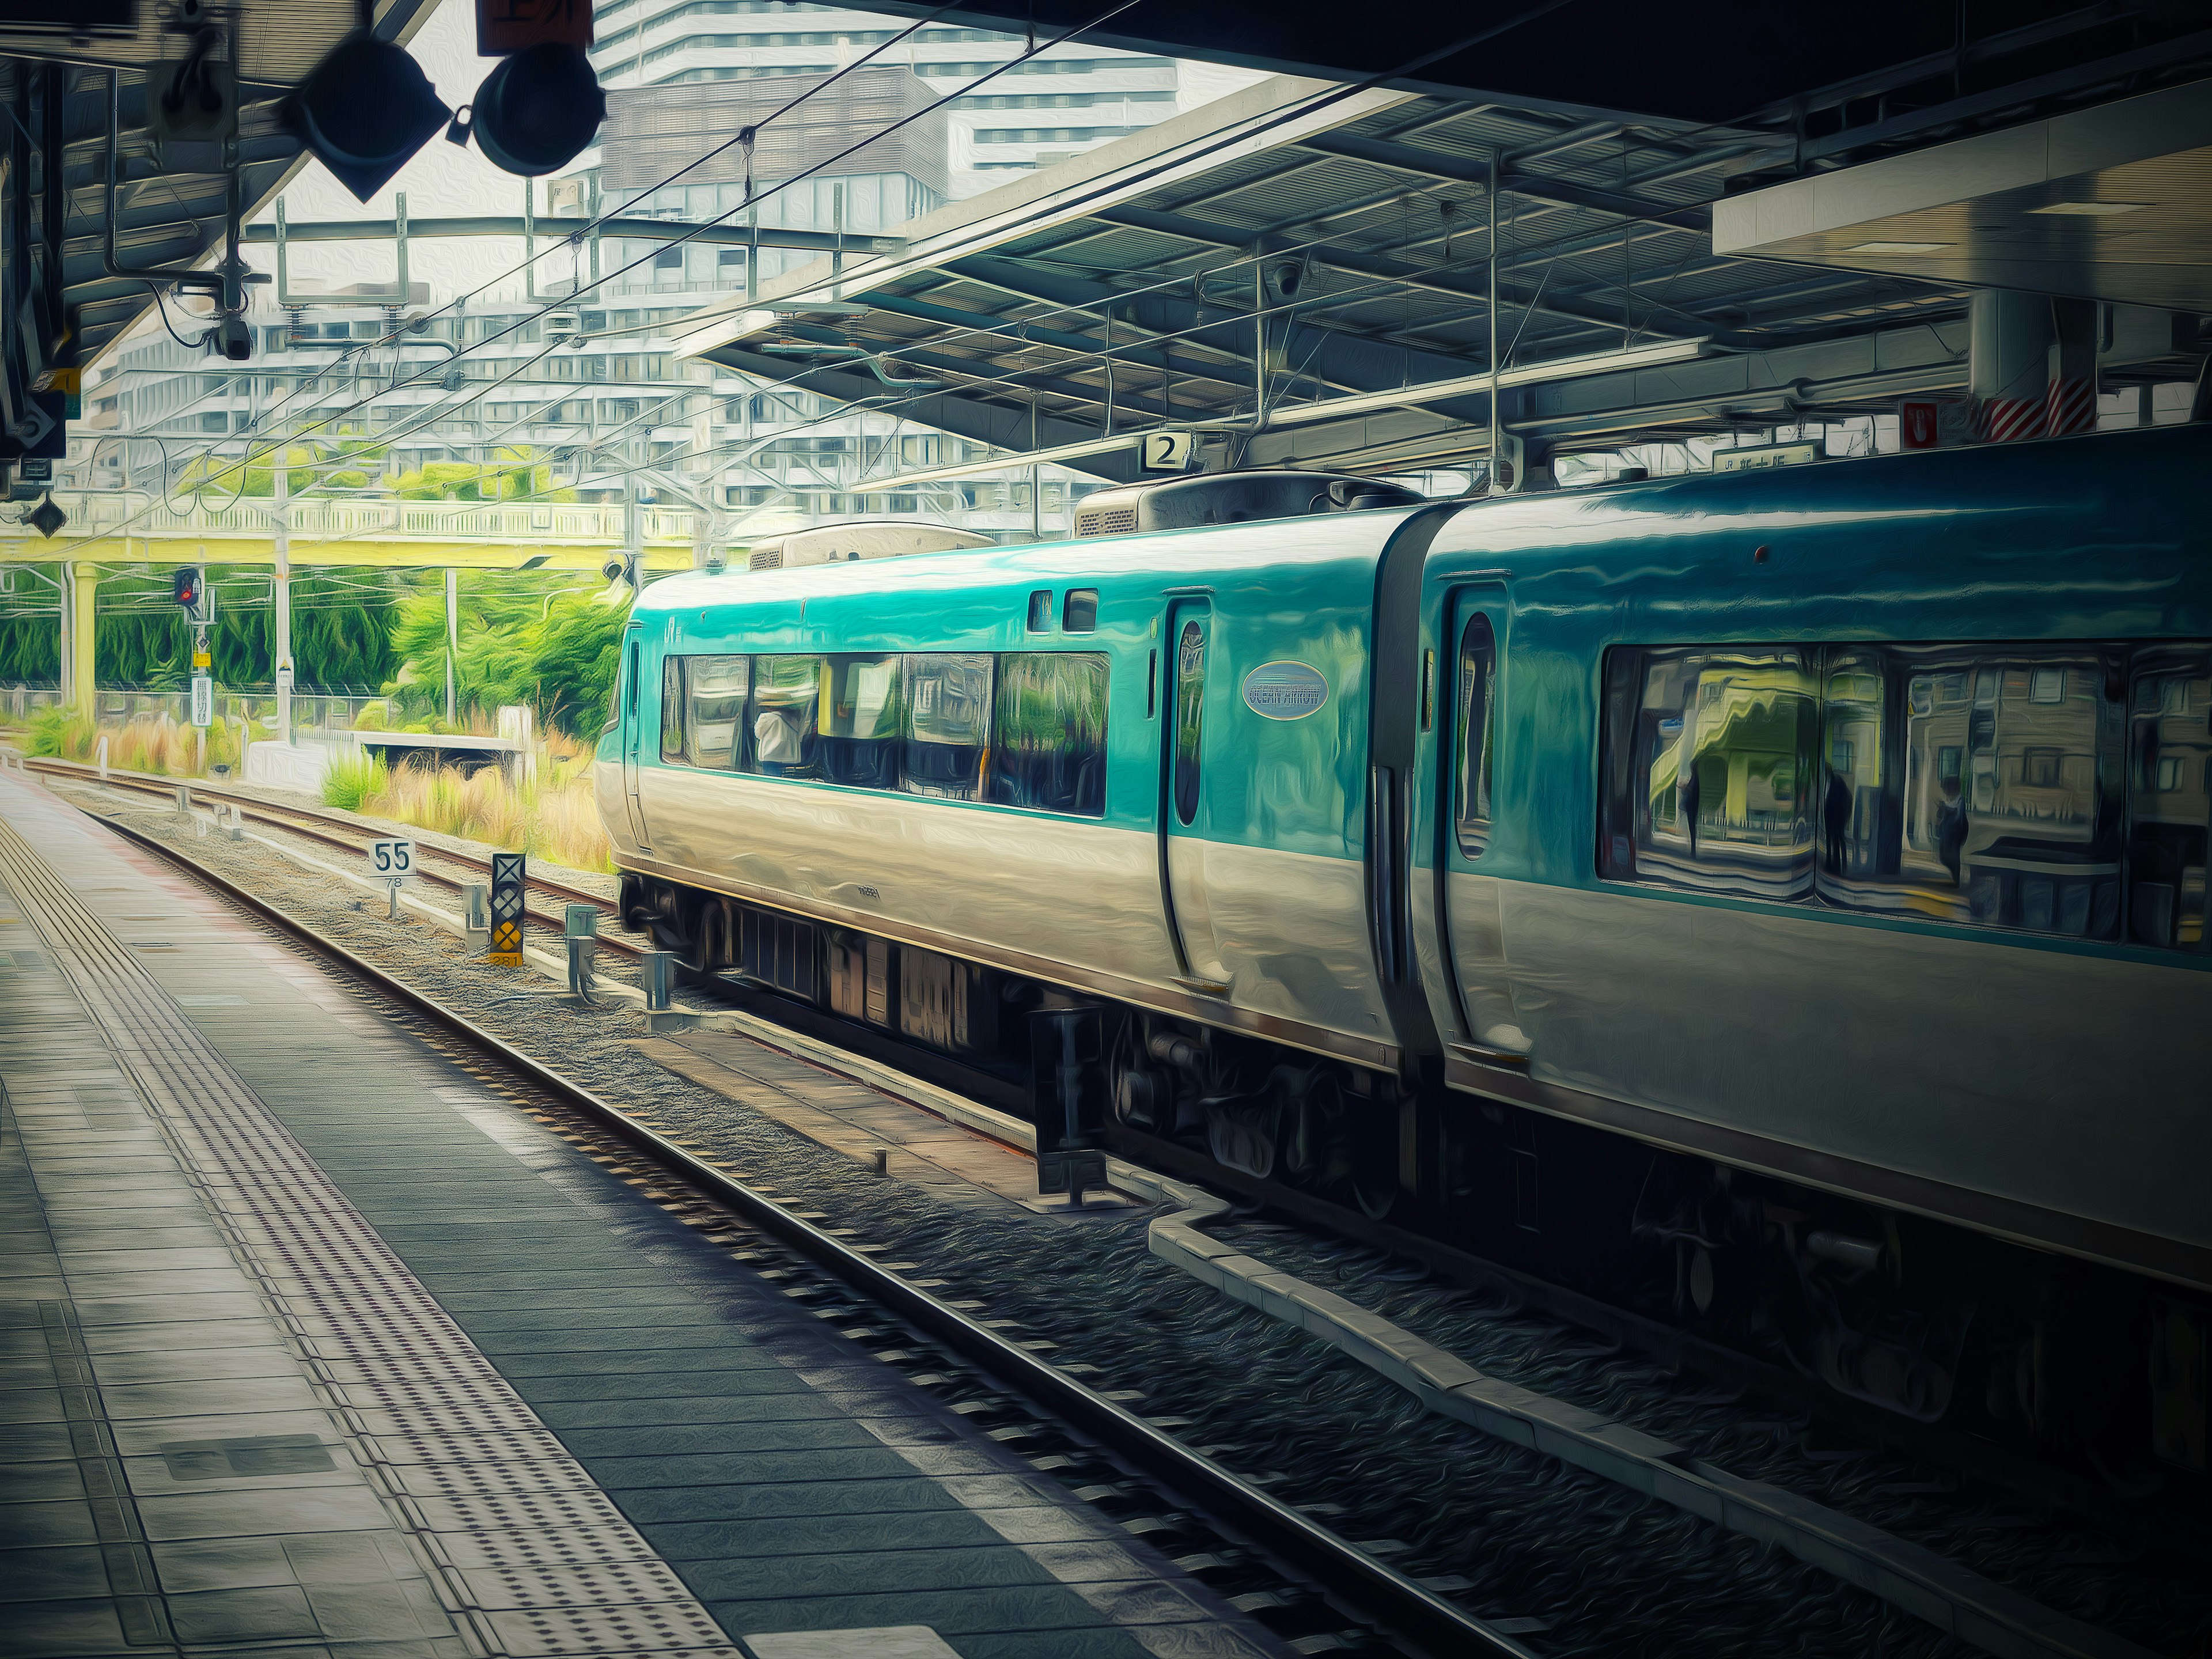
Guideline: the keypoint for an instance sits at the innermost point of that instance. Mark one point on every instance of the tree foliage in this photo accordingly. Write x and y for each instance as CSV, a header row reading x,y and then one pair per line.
x,y
341,627
539,641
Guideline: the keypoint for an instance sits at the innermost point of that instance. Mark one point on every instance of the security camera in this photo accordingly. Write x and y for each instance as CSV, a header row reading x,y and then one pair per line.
x,y
233,340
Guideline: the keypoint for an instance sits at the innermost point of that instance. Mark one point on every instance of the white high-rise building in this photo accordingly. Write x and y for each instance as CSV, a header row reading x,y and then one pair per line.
x,y
1068,99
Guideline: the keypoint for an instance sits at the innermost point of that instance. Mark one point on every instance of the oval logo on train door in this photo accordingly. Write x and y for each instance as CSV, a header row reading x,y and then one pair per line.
x,y
1285,690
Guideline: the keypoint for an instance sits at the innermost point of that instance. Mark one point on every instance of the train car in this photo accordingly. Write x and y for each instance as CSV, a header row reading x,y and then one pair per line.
x,y
1773,902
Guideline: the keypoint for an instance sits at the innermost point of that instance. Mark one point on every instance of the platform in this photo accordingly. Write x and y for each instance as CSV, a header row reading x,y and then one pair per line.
x,y
311,1344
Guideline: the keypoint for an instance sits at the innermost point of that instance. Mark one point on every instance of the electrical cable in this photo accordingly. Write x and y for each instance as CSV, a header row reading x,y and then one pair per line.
x,y
1320,100
199,344
752,201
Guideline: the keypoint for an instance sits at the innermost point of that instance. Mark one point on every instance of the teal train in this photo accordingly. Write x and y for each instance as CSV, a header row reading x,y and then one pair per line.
x,y
1774,902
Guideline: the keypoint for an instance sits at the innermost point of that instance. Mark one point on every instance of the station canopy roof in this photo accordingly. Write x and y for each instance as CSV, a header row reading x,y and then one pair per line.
x,y
1302,272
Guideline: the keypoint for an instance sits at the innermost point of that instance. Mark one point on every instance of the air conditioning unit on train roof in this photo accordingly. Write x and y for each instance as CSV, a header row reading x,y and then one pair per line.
x,y
1232,498
861,538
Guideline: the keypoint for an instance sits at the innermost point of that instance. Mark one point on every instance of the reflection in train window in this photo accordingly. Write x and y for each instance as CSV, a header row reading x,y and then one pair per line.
x,y
1478,723
860,721
1189,714
1714,748
948,715
1855,720
671,709
2169,807
2006,805
1049,752
714,709
786,698
2051,789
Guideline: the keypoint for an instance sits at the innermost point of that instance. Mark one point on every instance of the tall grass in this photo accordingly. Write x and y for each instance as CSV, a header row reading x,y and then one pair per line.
x,y
352,779
552,816
145,743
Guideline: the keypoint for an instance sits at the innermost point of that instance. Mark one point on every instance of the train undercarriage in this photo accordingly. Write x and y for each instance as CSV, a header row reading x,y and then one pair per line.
x,y
2078,1365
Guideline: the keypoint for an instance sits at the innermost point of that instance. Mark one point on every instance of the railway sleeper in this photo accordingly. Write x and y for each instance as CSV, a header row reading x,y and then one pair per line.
x,y
2074,1363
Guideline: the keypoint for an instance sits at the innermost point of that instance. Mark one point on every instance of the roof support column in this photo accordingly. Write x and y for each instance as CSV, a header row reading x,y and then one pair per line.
x,y
453,634
281,647
2009,367
2073,396
80,684
1490,464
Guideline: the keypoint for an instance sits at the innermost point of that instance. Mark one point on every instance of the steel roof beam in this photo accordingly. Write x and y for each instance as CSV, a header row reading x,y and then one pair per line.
x,y
1158,358
1002,426
1349,362
1518,181
1382,267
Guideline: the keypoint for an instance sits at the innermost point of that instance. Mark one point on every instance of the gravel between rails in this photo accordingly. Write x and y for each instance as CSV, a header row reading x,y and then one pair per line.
x,y
1583,1566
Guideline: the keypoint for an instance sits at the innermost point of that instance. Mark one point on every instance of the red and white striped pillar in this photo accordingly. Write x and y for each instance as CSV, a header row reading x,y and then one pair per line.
x,y
2070,403
2009,372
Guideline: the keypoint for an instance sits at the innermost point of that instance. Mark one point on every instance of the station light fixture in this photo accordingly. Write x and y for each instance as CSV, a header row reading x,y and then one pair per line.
x,y
536,111
364,111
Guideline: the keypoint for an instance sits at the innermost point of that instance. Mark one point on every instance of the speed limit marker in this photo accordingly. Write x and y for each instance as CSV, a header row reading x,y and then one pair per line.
x,y
394,860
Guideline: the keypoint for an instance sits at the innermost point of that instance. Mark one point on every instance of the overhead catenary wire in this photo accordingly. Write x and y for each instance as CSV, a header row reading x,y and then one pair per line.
x,y
1316,102
752,201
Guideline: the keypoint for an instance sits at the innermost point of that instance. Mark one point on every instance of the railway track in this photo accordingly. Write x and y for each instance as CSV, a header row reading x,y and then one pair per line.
x,y
343,834
1973,1458
1256,1528
1988,1464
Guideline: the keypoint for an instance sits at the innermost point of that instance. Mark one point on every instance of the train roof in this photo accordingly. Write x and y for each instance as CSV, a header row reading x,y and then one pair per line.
x,y
2156,481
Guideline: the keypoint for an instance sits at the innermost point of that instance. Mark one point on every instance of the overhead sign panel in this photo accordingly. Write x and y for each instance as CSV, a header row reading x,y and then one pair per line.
x,y
511,26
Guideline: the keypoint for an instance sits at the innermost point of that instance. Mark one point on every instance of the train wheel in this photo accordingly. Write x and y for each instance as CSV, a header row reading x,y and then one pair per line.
x,y
1244,1136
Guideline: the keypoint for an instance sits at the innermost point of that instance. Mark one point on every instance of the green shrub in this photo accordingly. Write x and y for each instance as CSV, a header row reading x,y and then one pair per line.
x,y
62,734
352,779
373,717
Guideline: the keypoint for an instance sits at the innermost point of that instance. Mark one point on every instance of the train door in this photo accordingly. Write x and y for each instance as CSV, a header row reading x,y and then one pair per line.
x,y
633,733
1467,899
1183,817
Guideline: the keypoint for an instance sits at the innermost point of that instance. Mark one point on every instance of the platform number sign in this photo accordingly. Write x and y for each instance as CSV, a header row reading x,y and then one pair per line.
x,y
506,884
1167,452
392,861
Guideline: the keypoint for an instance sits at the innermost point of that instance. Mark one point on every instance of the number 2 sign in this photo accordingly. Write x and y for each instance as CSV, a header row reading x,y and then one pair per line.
x,y
1167,452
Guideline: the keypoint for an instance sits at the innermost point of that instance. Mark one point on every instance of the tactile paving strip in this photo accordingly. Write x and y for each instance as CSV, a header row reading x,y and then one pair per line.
x,y
531,1555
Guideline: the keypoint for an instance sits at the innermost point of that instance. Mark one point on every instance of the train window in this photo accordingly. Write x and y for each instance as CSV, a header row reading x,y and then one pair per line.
x,y
1041,612
947,701
786,699
1048,749
1854,774
2169,797
2051,789
714,691
1709,767
1189,714
1079,611
671,709
1981,784
861,724
1478,724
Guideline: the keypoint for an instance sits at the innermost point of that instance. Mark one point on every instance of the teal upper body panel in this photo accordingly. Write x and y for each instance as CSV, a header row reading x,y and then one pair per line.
x,y
2096,538
1285,768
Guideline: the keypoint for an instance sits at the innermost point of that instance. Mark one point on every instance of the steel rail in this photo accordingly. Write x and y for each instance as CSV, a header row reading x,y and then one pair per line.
x,y
1672,1345
1406,1608
273,813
